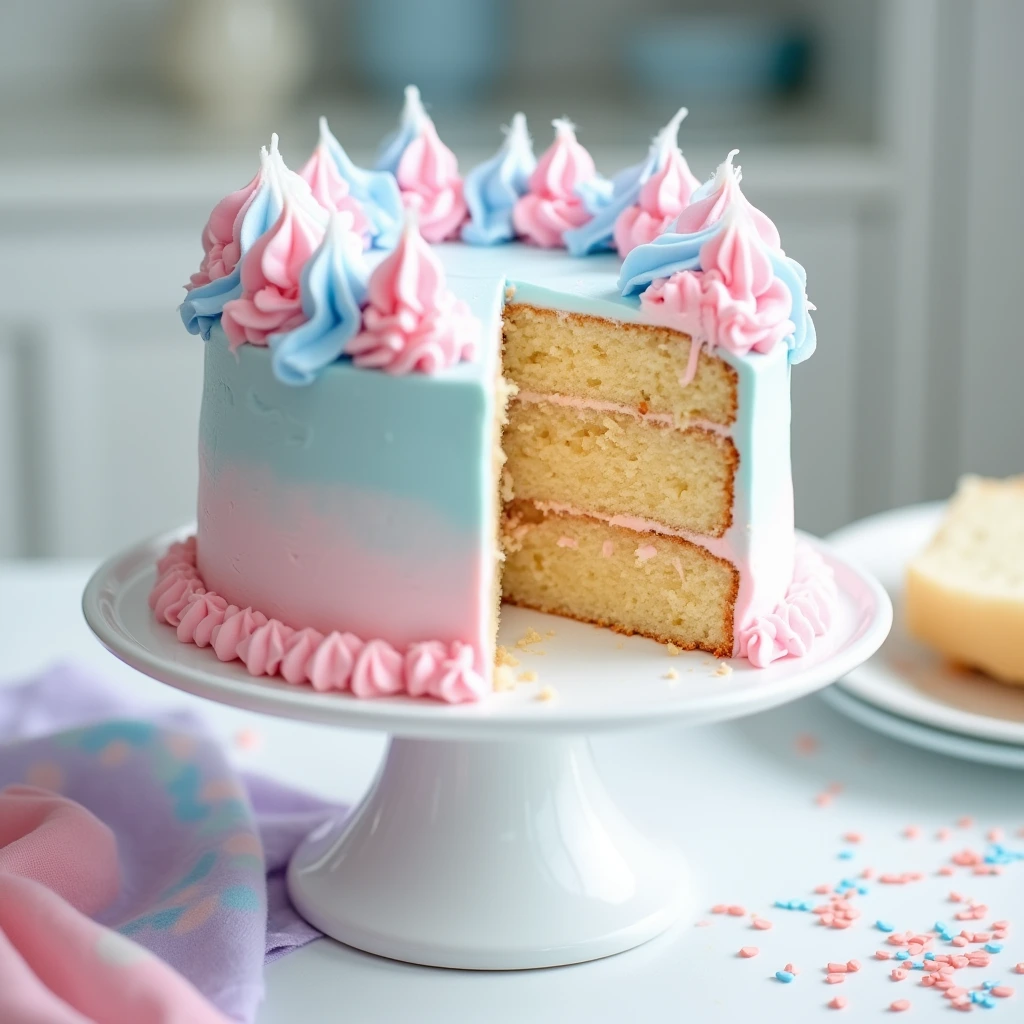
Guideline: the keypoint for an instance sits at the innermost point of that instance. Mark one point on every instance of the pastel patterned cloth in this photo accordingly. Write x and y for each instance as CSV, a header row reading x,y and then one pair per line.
x,y
123,837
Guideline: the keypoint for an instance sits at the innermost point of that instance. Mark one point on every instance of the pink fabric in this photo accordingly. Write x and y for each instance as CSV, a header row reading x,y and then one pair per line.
x,y
552,207
58,863
736,302
414,322
271,300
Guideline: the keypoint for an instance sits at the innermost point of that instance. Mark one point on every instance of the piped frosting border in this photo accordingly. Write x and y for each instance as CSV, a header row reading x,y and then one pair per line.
x,y
338,662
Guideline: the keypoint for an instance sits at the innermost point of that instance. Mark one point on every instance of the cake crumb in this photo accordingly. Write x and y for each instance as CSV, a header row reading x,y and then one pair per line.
x,y
671,675
502,657
673,651
529,676
548,693
724,669
550,633
530,637
504,679
619,644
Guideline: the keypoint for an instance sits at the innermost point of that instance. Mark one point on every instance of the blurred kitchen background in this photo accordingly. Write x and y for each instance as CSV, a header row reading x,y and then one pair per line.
x,y
883,136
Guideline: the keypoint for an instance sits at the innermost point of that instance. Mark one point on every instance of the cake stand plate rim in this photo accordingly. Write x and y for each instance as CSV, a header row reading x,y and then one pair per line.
x,y
114,605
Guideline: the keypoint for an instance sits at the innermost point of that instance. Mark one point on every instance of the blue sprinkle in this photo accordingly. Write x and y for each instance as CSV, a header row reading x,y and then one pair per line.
x,y
919,966
987,1001
883,926
846,854
784,976
940,927
862,889
929,956
989,984
993,947
805,906
976,997
946,936
902,955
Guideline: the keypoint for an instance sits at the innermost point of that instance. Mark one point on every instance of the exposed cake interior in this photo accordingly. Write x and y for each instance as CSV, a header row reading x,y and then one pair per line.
x,y
616,475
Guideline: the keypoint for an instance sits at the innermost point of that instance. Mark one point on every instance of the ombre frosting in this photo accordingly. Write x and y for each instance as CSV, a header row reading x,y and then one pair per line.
x,y
413,322
426,170
376,192
643,198
335,662
553,204
332,290
493,188
719,274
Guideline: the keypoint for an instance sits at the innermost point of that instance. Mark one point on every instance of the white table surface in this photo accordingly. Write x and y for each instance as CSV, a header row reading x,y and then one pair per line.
x,y
739,798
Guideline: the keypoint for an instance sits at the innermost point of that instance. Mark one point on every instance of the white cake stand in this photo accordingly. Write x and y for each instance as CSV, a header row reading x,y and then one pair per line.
x,y
488,840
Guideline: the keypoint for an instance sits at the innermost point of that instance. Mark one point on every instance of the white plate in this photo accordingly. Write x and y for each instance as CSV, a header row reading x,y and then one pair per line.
x,y
906,678
602,680
1003,755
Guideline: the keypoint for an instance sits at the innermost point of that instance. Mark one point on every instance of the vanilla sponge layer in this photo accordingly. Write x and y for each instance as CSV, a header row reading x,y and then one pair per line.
x,y
618,464
634,365
659,586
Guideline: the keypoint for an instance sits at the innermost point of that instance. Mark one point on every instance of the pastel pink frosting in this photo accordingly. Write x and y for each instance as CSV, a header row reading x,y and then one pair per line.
x,y
723,193
736,302
413,322
803,614
428,177
221,248
551,206
336,662
271,274
331,190
662,197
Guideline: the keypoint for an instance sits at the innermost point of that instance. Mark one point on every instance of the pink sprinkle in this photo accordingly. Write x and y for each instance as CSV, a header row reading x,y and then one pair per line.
x,y
928,980
826,919
837,968
820,890
945,870
981,937
964,822
1001,991
853,837
853,965
959,961
931,965
943,833
1000,924
956,992
965,915
736,911
867,873
911,832
748,951
915,949
896,939
719,908
1019,968
760,924
999,933
841,923
806,744
967,858
898,974
823,799
882,954
959,940
944,984
995,835
835,979
791,969
955,897
837,1004
899,1005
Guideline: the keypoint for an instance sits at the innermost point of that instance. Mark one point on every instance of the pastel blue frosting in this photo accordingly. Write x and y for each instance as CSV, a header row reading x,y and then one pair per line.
x,y
606,200
395,143
492,188
376,191
333,290
203,306
673,252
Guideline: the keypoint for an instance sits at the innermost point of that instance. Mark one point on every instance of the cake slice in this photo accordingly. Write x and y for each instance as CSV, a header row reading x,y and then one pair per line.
x,y
965,591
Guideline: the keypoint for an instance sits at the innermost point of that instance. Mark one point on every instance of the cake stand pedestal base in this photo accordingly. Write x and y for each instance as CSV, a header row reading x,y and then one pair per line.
x,y
488,856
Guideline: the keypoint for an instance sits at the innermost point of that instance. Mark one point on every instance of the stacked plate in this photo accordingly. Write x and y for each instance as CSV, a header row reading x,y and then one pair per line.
x,y
908,691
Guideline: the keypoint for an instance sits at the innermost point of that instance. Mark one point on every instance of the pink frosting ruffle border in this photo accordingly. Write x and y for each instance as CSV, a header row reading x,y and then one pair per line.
x,y
802,615
337,661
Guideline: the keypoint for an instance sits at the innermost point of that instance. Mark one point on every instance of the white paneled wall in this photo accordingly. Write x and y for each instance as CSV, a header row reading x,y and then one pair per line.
x,y
11,491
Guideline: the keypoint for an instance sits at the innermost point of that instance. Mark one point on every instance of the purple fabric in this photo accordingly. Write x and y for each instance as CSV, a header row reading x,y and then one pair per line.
x,y
203,848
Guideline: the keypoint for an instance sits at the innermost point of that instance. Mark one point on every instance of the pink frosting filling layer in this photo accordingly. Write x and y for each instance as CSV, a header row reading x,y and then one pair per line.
x,y
337,661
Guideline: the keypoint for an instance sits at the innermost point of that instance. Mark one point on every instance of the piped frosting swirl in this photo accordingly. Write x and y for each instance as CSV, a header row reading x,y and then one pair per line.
x,y
426,170
553,205
493,188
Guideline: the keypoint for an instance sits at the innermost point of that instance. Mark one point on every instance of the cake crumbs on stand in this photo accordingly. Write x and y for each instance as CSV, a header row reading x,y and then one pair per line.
x,y
673,651
547,694
503,657
504,678
723,669
529,676
672,675
531,636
